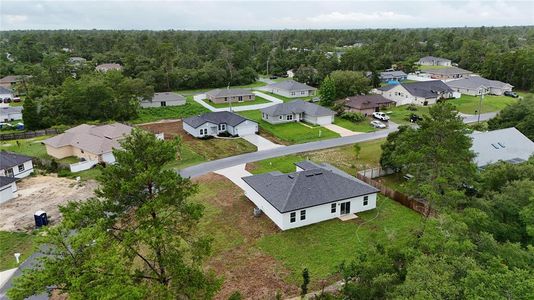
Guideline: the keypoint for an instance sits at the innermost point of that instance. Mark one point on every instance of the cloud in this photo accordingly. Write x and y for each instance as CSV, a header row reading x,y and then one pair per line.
x,y
15,19
336,17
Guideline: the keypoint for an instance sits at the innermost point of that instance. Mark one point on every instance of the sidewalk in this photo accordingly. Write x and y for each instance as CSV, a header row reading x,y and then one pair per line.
x,y
5,275
200,97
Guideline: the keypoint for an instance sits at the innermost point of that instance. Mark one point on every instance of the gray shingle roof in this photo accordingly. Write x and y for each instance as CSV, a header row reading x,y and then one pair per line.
x,y
504,144
427,89
476,82
366,101
433,59
4,180
316,185
10,159
448,71
229,93
167,96
290,85
219,117
392,74
4,90
297,107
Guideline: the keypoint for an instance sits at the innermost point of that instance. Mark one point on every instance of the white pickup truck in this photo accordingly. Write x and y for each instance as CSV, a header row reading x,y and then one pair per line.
x,y
380,116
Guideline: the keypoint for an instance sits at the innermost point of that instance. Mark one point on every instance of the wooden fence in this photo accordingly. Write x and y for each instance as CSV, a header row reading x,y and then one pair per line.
x,y
28,134
415,204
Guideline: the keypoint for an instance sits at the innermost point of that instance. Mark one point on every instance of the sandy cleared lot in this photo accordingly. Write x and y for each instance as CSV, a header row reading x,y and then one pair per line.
x,y
41,193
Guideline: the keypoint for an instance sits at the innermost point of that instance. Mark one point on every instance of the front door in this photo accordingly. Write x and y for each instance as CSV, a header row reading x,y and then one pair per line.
x,y
345,208
9,173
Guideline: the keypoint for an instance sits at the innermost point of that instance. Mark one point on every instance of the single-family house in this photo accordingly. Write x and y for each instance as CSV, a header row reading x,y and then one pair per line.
x,y
108,67
6,93
312,194
447,73
477,85
164,99
366,104
89,142
230,95
418,93
221,122
291,89
507,144
290,73
15,165
296,111
10,81
8,187
434,61
393,76
10,113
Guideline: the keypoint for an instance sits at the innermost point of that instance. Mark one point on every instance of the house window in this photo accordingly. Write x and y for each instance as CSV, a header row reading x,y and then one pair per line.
x,y
280,117
292,93
21,168
292,217
163,103
203,131
240,98
333,208
225,99
222,127
303,93
289,117
365,200
303,214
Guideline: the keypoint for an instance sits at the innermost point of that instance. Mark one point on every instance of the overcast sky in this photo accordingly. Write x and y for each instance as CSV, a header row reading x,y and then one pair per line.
x,y
246,15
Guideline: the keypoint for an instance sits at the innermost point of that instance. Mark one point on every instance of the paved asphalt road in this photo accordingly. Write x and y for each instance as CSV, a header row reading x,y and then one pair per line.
x,y
224,163
214,165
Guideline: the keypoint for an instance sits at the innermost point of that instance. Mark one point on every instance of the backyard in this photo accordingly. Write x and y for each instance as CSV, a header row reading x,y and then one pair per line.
x,y
362,126
191,92
287,99
294,132
470,104
12,242
257,100
153,114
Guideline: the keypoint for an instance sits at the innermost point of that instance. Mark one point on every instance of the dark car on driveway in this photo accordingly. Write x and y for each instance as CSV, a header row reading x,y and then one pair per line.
x,y
511,94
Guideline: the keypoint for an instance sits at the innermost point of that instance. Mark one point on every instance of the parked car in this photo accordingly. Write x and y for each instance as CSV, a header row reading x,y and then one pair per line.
x,y
7,100
378,124
381,116
16,99
511,94
414,118
273,77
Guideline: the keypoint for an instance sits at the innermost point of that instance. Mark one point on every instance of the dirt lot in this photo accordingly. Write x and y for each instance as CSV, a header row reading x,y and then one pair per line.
x,y
243,266
41,193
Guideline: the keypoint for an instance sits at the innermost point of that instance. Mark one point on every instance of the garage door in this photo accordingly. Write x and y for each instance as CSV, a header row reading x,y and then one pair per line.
x,y
324,120
246,129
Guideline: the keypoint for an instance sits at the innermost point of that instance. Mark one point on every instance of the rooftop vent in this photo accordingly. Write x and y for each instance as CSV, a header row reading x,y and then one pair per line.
x,y
501,145
495,146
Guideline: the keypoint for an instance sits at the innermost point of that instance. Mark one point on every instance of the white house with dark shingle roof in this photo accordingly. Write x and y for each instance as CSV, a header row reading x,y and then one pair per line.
x,y
312,194
418,93
434,61
15,165
164,99
476,85
296,111
291,89
215,123
230,95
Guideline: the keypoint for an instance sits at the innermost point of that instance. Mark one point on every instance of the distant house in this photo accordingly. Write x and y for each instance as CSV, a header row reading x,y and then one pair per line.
x,y
418,93
10,113
215,123
476,85
164,99
508,145
15,165
10,81
434,61
448,73
76,60
290,73
393,76
312,194
108,67
5,93
366,104
296,111
8,187
90,142
291,89
230,95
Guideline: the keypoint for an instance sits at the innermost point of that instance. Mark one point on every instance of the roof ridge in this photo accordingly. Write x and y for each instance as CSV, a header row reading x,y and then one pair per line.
x,y
294,183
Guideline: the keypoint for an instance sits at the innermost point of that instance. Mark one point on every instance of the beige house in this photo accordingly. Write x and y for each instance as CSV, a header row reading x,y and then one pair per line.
x,y
230,95
90,142
108,67
448,73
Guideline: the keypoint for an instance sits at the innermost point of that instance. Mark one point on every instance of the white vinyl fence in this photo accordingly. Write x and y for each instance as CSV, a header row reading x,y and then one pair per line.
x,y
82,166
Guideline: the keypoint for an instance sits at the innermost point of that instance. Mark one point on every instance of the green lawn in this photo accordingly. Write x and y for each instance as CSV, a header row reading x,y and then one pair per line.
x,y
343,158
400,114
293,132
30,147
470,104
257,100
362,126
286,99
153,114
323,246
11,243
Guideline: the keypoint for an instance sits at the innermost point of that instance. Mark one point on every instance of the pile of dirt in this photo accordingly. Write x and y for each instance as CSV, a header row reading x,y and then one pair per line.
x,y
171,129
41,193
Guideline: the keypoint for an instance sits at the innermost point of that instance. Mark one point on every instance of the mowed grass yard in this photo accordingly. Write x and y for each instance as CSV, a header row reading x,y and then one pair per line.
x,y
363,126
257,100
11,243
470,104
153,114
287,99
290,133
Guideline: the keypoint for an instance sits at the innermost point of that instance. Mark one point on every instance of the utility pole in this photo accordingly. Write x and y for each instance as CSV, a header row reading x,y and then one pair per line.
x,y
230,102
480,105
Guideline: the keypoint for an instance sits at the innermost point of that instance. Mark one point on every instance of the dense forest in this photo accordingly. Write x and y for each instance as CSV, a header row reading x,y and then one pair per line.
x,y
175,60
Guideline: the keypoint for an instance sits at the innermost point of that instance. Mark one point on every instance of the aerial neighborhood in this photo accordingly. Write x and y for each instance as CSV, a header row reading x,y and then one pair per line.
x,y
283,164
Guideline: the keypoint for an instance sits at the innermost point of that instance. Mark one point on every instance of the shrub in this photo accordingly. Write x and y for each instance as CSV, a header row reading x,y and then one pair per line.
x,y
64,173
353,116
411,107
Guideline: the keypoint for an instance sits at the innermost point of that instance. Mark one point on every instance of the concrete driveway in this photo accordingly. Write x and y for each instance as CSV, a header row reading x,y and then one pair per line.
x,y
200,97
260,142
340,130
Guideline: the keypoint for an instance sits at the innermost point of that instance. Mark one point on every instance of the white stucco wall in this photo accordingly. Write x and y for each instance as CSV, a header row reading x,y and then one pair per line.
x,y
292,94
7,192
10,117
28,169
145,104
